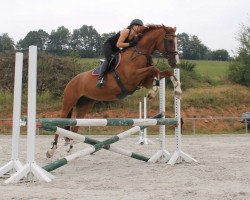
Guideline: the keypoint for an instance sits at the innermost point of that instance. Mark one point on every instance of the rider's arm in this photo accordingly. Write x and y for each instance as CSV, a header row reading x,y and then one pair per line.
x,y
123,35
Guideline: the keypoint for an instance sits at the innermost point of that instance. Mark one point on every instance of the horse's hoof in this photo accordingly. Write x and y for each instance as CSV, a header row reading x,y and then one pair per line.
x,y
177,95
151,95
50,153
69,148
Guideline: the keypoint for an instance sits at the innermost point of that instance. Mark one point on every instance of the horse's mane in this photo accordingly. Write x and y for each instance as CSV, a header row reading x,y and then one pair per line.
x,y
150,27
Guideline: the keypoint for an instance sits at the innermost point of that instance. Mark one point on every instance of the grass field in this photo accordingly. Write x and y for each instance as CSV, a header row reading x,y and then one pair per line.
x,y
216,70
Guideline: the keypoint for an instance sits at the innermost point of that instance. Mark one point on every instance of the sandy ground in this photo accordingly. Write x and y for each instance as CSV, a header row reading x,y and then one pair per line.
x,y
223,171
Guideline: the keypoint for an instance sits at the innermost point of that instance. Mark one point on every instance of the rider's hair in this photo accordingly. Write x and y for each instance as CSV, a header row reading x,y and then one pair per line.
x,y
130,26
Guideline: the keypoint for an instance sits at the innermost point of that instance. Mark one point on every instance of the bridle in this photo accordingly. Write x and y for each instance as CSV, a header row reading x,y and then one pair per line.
x,y
166,53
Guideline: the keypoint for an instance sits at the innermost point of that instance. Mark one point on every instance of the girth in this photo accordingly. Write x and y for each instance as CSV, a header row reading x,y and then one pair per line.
x,y
124,93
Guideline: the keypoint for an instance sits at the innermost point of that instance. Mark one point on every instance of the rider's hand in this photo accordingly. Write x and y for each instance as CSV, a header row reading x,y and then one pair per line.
x,y
139,36
133,42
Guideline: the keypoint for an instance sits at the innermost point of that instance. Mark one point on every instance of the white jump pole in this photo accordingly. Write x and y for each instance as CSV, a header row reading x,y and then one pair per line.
x,y
140,140
178,155
31,169
162,153
143,133
14,165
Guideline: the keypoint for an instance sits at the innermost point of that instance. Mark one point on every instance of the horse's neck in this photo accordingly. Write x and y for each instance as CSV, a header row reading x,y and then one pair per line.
x,y
148,43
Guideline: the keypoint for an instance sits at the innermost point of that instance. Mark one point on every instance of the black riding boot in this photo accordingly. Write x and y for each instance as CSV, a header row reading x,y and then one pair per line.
x,y
101,81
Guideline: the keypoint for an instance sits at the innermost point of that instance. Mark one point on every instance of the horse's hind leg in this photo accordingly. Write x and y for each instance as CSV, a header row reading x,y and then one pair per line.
x,y
83,106
69,101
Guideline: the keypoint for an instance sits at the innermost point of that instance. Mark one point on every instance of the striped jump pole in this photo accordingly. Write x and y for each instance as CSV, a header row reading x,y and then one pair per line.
x,y
106,122
98,146
91,141
81,138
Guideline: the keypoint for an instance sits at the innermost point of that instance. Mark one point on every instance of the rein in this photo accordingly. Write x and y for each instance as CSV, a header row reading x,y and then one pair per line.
x,y
149,57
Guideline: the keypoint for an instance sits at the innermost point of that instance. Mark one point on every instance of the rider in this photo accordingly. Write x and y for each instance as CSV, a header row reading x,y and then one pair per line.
x,y
123,39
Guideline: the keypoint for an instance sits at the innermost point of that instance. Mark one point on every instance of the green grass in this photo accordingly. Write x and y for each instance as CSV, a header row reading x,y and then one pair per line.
x,y
215,70
222,96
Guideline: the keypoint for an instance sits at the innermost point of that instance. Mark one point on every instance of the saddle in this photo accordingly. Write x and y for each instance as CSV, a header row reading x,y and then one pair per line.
x,y
115,61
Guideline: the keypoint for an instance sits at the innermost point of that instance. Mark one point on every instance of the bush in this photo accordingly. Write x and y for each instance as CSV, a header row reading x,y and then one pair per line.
x,y
55,72
186,65
52,75
239,71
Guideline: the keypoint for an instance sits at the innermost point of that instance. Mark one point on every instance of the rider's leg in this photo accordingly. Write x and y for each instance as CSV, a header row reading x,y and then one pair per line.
x,y
100,82
108,55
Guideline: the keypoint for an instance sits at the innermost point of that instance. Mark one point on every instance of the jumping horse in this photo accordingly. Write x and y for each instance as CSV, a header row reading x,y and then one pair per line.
x,y
135,70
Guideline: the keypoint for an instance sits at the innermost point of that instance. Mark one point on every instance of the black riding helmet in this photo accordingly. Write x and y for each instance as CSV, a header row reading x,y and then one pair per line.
x,y
136,22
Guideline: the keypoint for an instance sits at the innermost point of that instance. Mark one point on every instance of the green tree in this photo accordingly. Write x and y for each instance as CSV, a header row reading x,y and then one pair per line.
x,y
86,41
6,43
196,48
183,45
220,54
191,47
59,41
38,38
239,70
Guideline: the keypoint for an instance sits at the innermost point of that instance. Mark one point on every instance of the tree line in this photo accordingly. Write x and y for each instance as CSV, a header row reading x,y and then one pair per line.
x,y
86,42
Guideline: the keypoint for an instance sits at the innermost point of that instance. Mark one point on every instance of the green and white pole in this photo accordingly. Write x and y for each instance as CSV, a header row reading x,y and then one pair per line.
x,y
105,122
96,147
75,136
81,138
89,150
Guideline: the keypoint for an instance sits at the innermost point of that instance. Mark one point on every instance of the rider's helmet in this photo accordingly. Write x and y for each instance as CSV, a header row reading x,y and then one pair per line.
x,y
136,22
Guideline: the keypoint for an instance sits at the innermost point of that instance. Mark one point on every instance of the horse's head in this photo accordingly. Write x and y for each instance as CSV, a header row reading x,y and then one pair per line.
x,y
167,45
163,39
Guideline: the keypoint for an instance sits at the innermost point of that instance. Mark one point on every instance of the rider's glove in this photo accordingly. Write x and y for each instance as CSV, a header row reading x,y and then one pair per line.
x,y
133,42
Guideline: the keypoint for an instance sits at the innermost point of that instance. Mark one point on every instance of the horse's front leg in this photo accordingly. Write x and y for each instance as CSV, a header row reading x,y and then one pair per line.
x,y
175,81
143,73
146,77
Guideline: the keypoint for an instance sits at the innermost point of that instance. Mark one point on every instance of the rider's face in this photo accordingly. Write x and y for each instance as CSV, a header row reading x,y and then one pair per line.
x,y
137,27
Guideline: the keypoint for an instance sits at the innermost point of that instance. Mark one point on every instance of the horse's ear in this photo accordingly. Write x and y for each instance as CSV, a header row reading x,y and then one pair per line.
x,y
174,29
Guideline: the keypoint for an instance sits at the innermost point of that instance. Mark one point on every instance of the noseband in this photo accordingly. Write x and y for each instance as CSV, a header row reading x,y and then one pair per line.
x,y
166,53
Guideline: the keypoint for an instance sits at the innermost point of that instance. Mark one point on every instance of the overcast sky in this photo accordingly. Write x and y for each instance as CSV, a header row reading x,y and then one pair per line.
x,y
215,22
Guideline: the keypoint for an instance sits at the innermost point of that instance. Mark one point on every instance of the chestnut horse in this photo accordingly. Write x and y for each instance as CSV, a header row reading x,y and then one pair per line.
x,y
135,70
